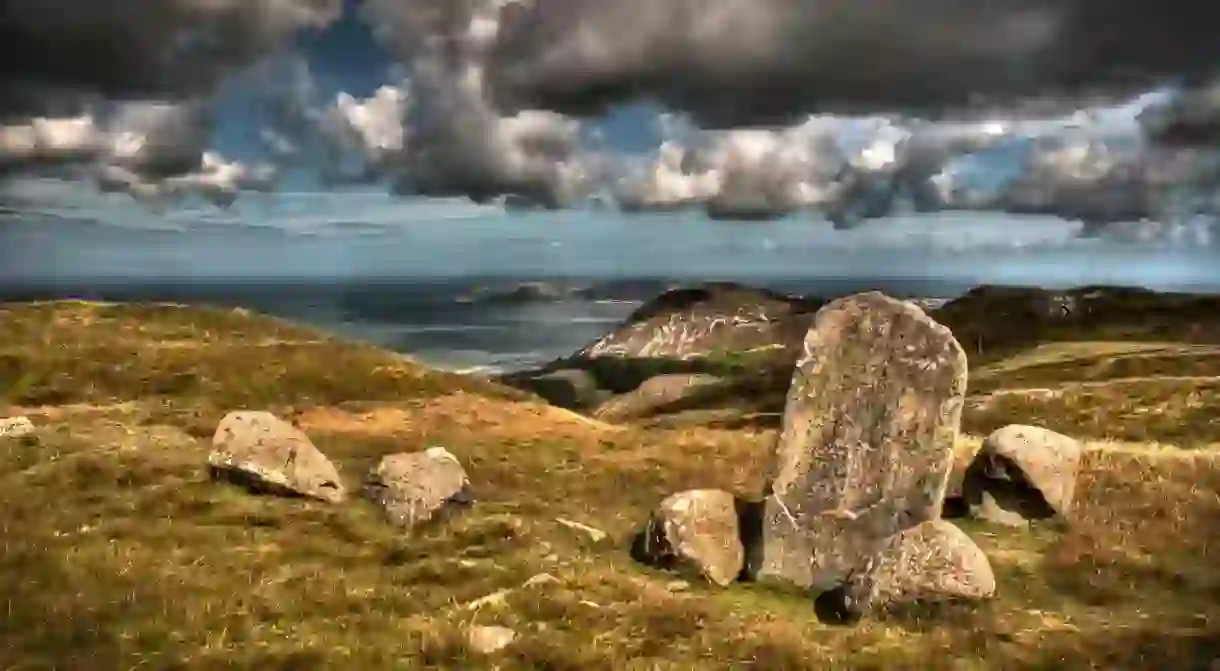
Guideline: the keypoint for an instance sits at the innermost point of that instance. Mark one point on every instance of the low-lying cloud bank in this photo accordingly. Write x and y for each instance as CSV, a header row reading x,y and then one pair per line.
x,y
491,107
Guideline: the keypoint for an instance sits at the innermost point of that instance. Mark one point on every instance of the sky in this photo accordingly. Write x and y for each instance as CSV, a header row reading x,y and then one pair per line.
x,y
1011,141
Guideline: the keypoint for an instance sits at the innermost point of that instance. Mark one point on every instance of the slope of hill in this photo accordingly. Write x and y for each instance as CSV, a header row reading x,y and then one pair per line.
x,y
120,552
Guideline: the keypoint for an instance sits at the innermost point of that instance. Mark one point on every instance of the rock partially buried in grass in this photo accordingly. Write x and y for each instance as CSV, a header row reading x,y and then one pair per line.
x,y
696,530
933,562
266,454
1021,474
414,487
596,535
488,640
16,427
866,448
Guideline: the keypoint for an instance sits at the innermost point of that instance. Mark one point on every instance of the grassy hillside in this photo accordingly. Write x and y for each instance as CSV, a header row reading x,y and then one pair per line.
x,y
120,553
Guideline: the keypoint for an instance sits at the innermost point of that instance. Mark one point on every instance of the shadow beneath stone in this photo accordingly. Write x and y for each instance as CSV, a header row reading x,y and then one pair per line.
x,y
838,607
650,548
1001,485
252,484
750,531
955,508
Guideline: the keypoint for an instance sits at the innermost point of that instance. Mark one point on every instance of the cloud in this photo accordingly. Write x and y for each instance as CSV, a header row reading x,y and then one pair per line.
x,y
733,62
119,90
138,49
846,168
455,142
1189,117
48,142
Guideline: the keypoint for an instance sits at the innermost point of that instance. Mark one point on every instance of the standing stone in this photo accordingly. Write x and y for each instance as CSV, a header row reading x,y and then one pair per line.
x,y
264,453
866,448
1023,473
697,530
413,487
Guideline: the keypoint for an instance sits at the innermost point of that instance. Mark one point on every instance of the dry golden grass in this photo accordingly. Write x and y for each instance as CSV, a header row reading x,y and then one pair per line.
x,y
120,553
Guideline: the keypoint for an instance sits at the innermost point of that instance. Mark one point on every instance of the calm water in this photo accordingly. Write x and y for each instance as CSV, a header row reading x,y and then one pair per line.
x,y
439,280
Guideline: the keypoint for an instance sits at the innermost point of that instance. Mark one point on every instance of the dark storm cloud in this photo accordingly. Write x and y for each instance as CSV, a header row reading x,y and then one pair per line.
x,y
1190,117
140,49
732,62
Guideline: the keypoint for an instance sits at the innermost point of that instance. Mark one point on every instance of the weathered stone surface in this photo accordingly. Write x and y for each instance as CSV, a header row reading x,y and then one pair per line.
x,y
693,323
932,562
866,448
265,453
653,394
1023,473
696,530
16,427
413,487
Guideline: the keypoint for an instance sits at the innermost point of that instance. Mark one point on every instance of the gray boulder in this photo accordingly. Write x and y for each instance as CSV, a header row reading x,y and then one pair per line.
x,y
930,563
866,447
264,453
1023,473
412,488
696,530
654,394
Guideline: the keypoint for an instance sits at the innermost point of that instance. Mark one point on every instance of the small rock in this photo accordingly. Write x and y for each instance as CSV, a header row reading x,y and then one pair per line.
x,y
1021,474
414,487
262,452
541,579
597,535
495,599
677,586
935,561
487,640
697,530
16,427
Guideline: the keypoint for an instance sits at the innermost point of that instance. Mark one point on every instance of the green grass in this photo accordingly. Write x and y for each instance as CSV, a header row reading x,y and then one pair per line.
x,y
119,552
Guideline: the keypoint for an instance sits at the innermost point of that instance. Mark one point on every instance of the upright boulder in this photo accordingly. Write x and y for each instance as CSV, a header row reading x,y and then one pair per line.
x,y
1023,473
866,448
264,453
414,487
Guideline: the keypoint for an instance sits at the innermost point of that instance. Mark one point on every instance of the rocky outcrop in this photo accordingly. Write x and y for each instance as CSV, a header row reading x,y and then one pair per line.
x,y
1022,474
697,531
653,395
932,562
866,448
266,454
704,322
413,488
726,330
